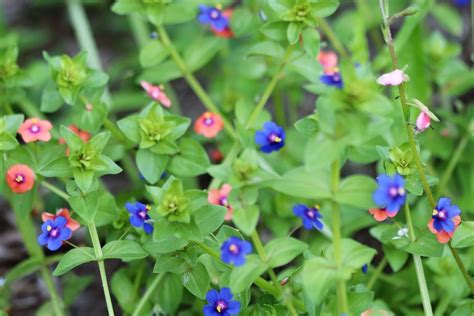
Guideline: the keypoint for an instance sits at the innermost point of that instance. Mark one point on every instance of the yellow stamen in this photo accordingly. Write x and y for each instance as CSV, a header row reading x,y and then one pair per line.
x,y
147,207
277,139
219,6
435,212
48,228
219,308
401,191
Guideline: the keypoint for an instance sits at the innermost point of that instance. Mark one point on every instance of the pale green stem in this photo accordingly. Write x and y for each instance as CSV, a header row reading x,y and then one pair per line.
x,y
464,272
271,86
55,190
100,262
453,161
341,290
377,273
336,43
406,114
192,81
149,291
84,35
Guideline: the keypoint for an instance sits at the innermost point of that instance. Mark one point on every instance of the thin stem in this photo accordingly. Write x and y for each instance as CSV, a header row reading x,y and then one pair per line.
x,y
452,164
55,190
84,35
420,274
406,115
464,272
382,264
337,241
336,43
271,86
192,81
149,291
100,262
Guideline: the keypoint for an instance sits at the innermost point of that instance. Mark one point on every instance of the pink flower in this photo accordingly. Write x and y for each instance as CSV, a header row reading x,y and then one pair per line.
x,y
442,235
156,93
423,121
381,214
34,129
220,197
209,124
393,78
64,212
329,62
20,178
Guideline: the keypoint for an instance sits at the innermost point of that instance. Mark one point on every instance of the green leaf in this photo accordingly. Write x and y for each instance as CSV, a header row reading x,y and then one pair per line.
x,y
152,54
324,8
73,258
281,251
127,6
241,278
151,165
293,32
274,30
209,218
396,258
191,161
360,301
356,191
266,48
123,290
85,205
84,179
197,280
7,142
73,141
126,250
201,51
464,235
246,219
51,100
130,128
425,245
311,41
448,17
179,12
319,276
22,269
303,183
170,295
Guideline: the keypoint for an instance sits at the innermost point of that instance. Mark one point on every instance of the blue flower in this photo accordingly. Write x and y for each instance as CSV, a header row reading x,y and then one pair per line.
x,y
365,268
139,216
333,80
271,138
391,193
309,215
213,16
443,215
461,3
234,250
54,232
221,303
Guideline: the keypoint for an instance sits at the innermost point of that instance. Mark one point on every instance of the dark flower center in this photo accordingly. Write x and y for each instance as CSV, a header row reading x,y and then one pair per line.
x,y
19,178
234,249
274,138
208,121
223,201
34,128
220,306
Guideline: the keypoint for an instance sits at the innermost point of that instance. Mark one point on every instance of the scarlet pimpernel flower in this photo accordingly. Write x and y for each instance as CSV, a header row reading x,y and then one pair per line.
x,y
332,80
221,197
34,129
72,224
381,214
221,303
218,20
54,232
270,138
390,193
393,78
139,216
208,124
20,178
309,215
423,121
234,250
445,219
156,93
328,59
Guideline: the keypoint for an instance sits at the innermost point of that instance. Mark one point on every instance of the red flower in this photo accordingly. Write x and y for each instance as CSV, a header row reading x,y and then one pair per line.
x,y
442,235
216,155
84,135
64,212
227,32
156,93
34,129
220,197
208,124
20,178
381,214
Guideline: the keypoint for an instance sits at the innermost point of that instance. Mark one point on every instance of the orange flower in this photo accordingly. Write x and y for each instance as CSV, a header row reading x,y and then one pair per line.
x,y
329,62
442,235
220,197
20,178
209,125
34,129
381,214
64,212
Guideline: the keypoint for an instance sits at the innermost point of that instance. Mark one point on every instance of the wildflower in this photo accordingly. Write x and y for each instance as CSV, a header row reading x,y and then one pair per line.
x,y
34,129
213,16
221,197
209,125
234,250
20,178
332,80
462,3
381,214
393,78
139,216
390,193
445,220
84,135
309,215
227,32
270,138
216,155
156,93
221,303
423,121
402,232
329,61
73,225
365,268
54,232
